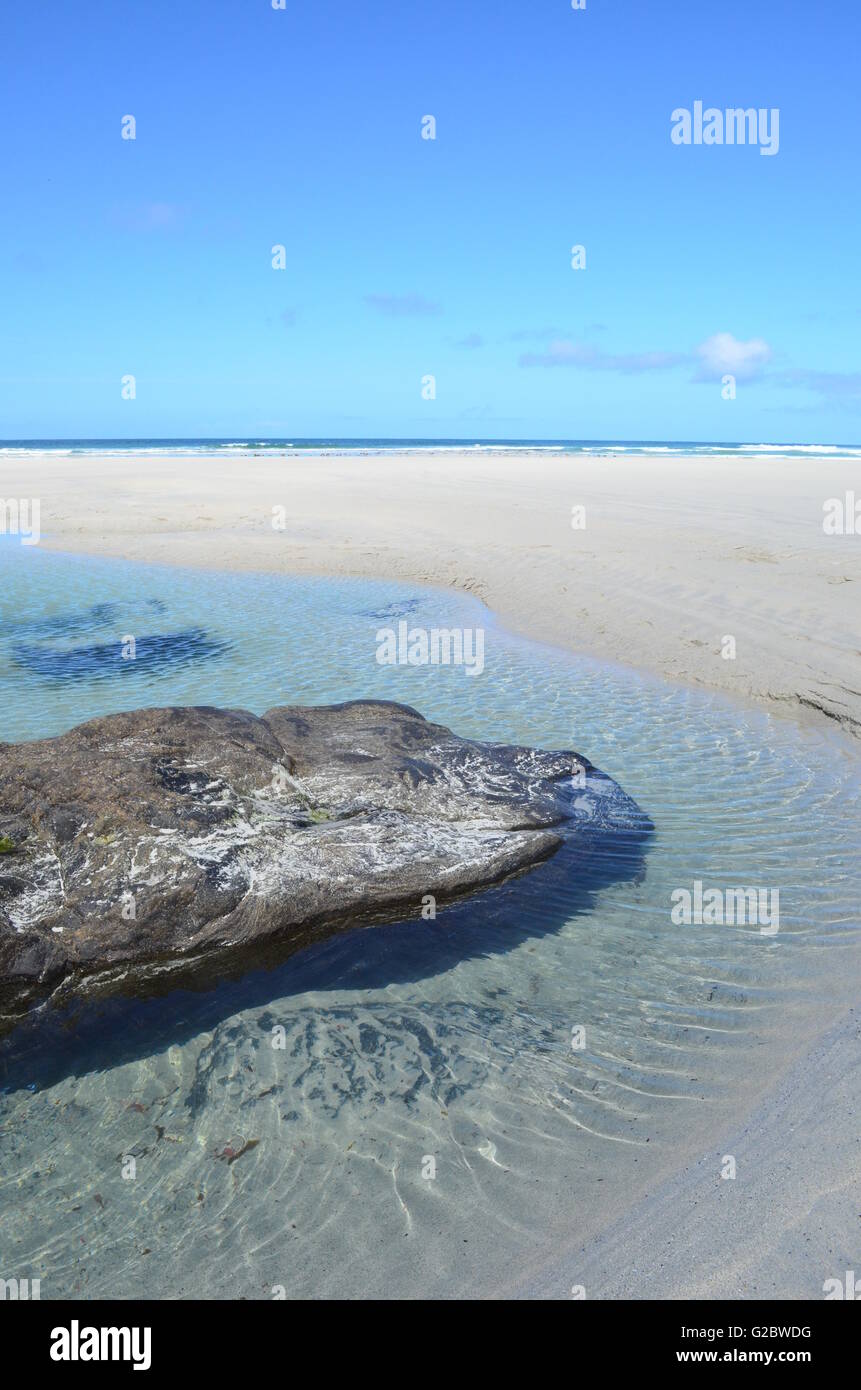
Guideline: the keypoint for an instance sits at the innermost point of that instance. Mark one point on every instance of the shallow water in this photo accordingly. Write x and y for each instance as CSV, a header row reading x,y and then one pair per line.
x,y
446,1040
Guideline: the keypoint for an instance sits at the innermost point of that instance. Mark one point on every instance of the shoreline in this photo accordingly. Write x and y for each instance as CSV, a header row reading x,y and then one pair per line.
x,y
788,711
673,557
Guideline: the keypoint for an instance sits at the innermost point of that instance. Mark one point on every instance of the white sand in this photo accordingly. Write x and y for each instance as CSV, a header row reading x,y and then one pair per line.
x,y
676,554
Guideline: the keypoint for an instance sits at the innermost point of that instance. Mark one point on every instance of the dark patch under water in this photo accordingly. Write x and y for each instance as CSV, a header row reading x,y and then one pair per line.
x,y
105,659
89,620
391,610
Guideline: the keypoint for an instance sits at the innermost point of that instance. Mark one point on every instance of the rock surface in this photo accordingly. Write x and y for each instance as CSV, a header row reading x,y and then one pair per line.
x,y
140,840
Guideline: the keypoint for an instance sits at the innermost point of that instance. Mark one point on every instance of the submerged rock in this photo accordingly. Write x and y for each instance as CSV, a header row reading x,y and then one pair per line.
x,y
160,837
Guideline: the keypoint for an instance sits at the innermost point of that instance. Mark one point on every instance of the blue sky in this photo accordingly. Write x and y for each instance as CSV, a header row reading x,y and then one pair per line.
x,y
408,257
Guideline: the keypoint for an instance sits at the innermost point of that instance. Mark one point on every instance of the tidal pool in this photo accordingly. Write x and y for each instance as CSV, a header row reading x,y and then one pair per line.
x,y
424,1109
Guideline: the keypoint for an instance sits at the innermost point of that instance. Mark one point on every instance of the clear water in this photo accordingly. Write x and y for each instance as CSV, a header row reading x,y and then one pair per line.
x,y
446,1040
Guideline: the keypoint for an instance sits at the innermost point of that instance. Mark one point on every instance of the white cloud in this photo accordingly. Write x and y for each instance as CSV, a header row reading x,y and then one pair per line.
x,y
723,354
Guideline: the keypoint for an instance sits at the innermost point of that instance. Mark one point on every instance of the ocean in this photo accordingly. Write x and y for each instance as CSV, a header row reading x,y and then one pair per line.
x,y
587,447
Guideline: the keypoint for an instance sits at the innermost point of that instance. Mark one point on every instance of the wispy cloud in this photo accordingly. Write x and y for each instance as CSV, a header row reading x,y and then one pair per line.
x,y
838,388
714,358
565,353
402,305
149,217
472,340
534,335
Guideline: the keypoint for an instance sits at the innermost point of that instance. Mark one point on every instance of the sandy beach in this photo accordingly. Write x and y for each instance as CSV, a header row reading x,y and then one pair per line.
x,y
667,559
677,555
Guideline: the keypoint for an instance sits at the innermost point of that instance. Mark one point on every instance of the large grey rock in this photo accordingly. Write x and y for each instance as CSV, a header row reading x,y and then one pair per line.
x,y
146,839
